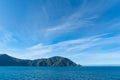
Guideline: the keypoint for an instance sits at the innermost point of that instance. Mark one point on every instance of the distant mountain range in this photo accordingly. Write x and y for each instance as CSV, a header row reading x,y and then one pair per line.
x,y
6,60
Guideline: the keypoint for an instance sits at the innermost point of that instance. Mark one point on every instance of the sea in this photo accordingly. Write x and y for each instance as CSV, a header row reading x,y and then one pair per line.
x,y
60,73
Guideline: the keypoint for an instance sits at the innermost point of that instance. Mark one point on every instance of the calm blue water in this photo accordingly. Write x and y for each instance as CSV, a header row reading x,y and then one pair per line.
x,y
59,73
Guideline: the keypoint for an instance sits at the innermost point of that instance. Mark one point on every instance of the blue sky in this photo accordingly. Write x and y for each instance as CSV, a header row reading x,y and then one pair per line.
x,y
86,31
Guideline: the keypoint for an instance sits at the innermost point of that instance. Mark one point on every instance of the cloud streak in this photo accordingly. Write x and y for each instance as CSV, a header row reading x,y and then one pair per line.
x,y
85,16
78,49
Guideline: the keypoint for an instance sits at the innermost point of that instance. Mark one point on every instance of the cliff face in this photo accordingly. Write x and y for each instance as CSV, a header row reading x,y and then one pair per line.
x,y
6,60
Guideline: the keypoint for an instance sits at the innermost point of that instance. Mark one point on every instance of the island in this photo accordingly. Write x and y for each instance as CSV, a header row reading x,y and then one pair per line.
x,y
6,60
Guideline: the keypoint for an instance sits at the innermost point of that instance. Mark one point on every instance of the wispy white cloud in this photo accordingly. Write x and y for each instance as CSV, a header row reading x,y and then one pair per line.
x,y
6,37
84,16
87,51
72,48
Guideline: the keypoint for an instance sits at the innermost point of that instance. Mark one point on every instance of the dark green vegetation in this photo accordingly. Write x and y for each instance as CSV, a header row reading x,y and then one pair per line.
x,y
6,60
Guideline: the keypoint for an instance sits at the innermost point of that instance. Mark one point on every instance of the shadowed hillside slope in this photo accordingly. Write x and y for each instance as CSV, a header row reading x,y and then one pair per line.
x,y
6,60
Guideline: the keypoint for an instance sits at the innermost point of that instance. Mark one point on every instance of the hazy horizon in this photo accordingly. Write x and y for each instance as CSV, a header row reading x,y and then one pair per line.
x,y
85,31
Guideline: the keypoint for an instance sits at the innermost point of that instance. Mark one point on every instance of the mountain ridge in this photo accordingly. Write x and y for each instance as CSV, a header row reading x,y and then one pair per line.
x,y
6,60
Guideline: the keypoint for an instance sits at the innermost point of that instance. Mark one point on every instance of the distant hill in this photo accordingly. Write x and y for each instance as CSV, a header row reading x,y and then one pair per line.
x,y
6,60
